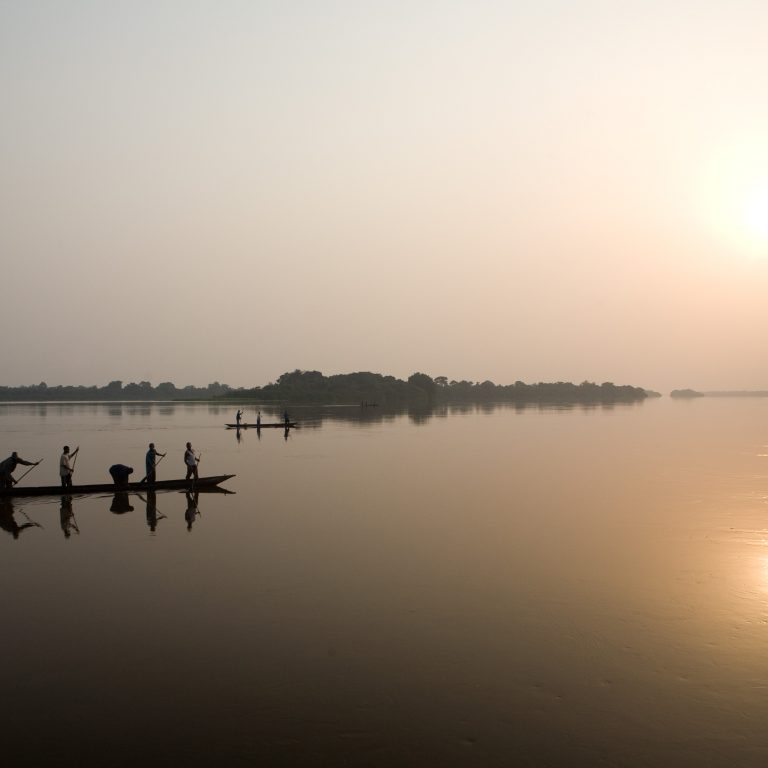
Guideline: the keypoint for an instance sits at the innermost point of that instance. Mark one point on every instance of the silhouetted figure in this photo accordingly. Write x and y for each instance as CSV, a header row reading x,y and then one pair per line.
x,y
8,521
120,474
152,510
67,517
8,466
151,463
121,503
286,418
190,461
258,420
65,467
192,510
238,417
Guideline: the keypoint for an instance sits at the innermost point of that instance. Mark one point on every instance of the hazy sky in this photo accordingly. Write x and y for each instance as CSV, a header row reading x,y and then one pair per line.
x,y
549,190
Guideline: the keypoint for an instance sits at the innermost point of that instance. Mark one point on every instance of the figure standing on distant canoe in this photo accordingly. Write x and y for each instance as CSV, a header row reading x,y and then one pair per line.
x,y
8,466
286,419
65,468
258,420
190,460
238,417
152,462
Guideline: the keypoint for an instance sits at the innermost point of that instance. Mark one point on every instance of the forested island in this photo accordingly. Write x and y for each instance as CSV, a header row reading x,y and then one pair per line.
x,y
719,393
348,388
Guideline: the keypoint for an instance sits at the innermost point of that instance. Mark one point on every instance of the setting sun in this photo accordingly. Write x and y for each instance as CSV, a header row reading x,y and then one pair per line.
x,y
756,214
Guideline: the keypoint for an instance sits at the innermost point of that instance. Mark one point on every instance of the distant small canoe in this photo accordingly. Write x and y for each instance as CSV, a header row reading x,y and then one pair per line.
x,y
273,425
56,490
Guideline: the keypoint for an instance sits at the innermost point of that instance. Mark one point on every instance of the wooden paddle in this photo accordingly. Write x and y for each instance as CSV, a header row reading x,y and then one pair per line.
x,y
31,522
26,473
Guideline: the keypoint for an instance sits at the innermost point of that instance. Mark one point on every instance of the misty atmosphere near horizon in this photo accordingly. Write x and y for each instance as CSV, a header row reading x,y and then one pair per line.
x,y
505,191
384,383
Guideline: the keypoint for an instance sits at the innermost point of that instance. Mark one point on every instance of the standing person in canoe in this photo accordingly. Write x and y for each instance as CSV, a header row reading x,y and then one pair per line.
x,y
258,420
65,468
286,419
238,417
152,454
9,465
190,461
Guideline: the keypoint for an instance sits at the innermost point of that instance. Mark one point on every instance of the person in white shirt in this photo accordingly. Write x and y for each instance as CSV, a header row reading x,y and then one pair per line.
x,y
65,468
190,460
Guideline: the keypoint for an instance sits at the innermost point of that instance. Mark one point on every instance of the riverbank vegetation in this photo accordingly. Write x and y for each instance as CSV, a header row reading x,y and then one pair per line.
x,y
368,388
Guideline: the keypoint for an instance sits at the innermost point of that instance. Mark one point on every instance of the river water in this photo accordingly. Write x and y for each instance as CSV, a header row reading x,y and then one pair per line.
x,y
479,587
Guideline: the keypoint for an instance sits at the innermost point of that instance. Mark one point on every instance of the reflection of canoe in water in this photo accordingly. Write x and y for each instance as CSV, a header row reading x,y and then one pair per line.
x,y
56,490
273,425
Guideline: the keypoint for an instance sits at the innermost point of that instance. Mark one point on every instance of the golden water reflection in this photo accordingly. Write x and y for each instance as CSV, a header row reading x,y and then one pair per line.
x,y
565,587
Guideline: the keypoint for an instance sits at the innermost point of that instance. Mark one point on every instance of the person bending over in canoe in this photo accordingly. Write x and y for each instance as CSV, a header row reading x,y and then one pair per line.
x,y
152,455
120,474
190,461
65,468
9,465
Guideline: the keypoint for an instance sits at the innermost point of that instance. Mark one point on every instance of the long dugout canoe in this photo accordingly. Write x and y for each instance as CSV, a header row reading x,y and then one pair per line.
x,y
160,485
273,425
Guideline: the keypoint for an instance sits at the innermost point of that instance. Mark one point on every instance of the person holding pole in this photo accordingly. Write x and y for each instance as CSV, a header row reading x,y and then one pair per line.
x,y
65,468
152,462
190,460
9,465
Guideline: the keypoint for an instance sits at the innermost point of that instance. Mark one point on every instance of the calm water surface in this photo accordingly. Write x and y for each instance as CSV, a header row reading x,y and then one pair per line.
x,y
482,588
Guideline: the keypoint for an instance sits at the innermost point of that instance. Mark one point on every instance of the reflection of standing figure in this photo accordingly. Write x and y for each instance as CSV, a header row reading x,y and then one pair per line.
x,y
190,460
67,517
285,434
8,522
192,510
152,510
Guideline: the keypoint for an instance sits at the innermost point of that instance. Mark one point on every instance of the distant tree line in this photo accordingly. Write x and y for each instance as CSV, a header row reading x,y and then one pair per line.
x,y
685,393
373,388
368,388
115,390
